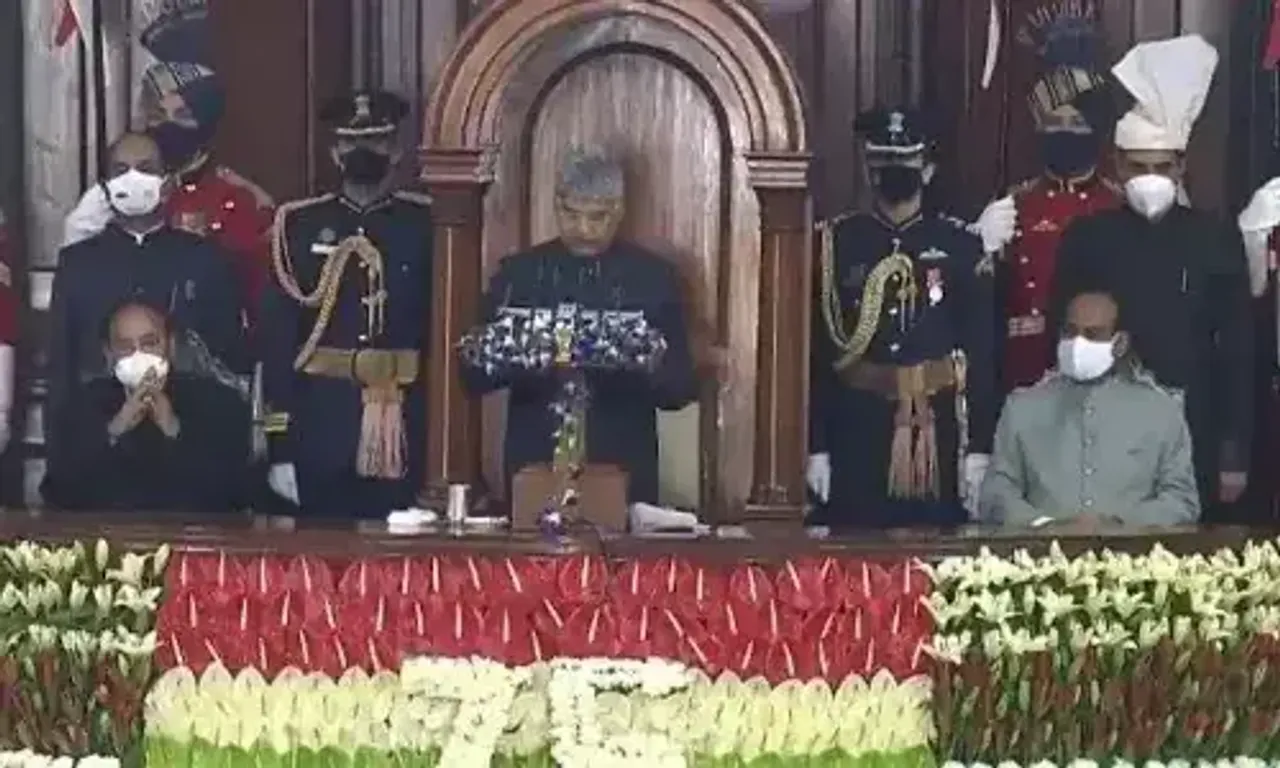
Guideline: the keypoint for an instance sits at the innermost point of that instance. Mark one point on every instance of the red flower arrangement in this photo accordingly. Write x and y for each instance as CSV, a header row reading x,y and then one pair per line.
x,y
818,617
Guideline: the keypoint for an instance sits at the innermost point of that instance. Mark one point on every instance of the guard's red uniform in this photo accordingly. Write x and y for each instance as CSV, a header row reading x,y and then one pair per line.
x,y
8,293
1046,206
235,212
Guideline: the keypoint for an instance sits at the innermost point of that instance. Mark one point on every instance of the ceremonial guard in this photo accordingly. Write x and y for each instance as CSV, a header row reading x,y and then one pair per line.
x,y
903,376
343,331
1179,274
185,105
1071,108
8,333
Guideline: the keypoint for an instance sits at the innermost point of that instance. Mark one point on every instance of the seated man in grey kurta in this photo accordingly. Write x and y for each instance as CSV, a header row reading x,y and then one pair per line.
x,y
1096,442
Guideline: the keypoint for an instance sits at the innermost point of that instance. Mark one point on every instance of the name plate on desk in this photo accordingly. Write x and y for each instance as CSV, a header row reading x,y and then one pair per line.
x,y
602,496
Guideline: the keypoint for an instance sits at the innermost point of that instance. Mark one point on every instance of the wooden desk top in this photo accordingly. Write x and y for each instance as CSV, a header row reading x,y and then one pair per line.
x,y
250,535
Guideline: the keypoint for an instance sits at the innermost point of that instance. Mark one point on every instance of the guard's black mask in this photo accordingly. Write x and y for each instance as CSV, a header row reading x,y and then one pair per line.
x,y
364,166
179,144
898,183
1068,154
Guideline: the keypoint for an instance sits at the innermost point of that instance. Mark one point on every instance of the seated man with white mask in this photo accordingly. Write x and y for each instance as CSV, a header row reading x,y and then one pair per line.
x,y
1096,442
140,257
145,436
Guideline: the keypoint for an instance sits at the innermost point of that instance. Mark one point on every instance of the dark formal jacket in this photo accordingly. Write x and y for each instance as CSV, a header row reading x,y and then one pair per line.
x,y
622,409
1183,287
170,269
203,469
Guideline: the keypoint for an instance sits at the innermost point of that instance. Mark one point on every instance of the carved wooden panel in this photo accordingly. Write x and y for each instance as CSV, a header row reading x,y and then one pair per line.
x,y
663,126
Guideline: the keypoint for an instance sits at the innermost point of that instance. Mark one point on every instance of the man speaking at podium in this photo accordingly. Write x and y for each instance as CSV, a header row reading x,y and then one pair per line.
x,y
587,266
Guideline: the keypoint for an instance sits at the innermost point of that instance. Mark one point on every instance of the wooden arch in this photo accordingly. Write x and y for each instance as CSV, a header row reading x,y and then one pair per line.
x,y
724,42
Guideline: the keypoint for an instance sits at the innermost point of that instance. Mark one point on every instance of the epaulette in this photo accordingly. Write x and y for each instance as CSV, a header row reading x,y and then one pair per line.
x,y
260,195
296,205
834,220
420,198
1022,187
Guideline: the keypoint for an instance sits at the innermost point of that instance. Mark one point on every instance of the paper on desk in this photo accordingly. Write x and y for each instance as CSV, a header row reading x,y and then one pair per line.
x,y
411,518
648,518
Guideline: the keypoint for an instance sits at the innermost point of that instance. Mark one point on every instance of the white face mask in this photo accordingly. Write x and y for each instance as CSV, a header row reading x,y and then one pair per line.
x,y
1151,194
1085,360
134,193
131,369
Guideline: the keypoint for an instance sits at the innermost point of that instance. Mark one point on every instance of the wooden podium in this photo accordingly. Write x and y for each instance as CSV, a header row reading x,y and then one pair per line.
x,y
602,496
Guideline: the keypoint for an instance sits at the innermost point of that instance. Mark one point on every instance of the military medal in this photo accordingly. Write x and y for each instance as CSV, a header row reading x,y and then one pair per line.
x,y
326,242
193,222
933,279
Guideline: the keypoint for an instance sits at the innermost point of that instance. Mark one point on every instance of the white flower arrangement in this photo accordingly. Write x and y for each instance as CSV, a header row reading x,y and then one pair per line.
x,y
1023,604
484,691
36,583
1235,762
28,759
587,695
596,712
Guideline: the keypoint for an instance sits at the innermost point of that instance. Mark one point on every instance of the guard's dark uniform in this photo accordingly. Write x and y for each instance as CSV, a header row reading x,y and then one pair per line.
x,y
621,412
186,275
1183,287
903,376
343,334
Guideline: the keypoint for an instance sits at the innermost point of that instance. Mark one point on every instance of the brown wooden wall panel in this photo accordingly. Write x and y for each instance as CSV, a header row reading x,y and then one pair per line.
x,y
852,54
280,61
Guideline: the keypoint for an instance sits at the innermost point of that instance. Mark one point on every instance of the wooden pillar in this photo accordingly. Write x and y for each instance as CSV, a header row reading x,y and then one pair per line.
x,y
782,362
457,180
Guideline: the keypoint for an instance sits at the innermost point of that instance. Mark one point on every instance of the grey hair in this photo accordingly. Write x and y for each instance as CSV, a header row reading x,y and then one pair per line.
x,y
590,173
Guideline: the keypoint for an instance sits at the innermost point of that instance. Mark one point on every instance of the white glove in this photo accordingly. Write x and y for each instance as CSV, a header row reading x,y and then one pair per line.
x,y
1262,214
997,224
817,473
283,479
975,469
1257,250
90,216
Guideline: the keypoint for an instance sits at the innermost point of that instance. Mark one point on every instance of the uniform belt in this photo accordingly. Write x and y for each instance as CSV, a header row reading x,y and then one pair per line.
x,y
375,368
913,447
1026,325
901,382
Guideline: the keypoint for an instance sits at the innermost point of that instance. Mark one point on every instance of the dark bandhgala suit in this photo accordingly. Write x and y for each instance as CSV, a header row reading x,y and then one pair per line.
x,y
622,408
203,469
181,273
